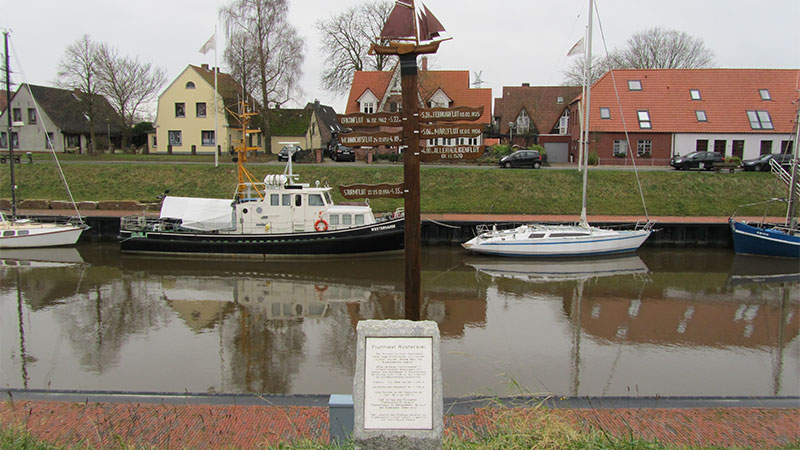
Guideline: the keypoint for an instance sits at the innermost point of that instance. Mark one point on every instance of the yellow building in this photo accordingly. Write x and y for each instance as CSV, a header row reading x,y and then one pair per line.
x,y
185,119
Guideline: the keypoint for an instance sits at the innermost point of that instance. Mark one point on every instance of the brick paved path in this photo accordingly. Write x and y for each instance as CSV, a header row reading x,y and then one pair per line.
x,y
226,426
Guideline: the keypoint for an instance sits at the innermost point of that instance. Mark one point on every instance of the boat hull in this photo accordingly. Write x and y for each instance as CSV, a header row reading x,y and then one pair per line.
x,y
620,242
750,240
379,237
40,236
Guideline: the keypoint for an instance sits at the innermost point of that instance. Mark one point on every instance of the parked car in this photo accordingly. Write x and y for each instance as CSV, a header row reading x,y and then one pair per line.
x,y
343,153
762,162
696,160
283,155
522,158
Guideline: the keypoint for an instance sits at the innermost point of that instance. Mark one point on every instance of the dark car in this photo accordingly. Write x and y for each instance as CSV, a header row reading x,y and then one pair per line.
x,y
522,158
283,155
343,153
761,163
696,160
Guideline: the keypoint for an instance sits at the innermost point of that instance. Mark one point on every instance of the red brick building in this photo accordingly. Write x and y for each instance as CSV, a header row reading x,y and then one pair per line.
x,y
736,112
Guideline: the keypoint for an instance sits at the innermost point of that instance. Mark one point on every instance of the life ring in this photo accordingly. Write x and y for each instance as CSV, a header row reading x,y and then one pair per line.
x,y
322,288
321,225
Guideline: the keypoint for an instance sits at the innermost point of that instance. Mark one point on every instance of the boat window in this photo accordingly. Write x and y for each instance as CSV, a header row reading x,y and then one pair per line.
x,y
328,198
347,219
22,232
298,200
333,219
536,236
8,233
274,199
315,200
359,219
568,234
286,199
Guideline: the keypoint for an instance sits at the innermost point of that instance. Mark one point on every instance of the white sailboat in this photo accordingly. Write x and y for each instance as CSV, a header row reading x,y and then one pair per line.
x,y
24,233
538,240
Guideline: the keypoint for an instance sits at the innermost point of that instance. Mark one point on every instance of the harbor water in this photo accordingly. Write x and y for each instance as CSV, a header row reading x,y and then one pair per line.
x,y
669,322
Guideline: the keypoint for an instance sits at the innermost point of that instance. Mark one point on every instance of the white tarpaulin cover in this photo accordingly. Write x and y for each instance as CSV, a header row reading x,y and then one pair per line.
x,y
204,214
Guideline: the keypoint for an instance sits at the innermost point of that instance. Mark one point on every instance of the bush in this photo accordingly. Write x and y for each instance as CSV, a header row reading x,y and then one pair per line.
x,y
733,160
593,158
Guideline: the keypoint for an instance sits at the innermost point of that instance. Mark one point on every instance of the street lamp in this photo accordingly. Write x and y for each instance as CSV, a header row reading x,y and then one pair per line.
x,y
510,135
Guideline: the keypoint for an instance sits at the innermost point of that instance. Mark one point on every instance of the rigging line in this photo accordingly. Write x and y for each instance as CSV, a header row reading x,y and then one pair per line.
x,y
621,115
564,47
44,127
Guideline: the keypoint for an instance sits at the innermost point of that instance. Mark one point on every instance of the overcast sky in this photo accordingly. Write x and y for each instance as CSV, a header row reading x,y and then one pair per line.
x,y
508,41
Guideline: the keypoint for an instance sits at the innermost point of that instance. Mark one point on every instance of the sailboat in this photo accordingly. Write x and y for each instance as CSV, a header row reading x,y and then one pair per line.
x,y
539,240
25,233
782,240
409,29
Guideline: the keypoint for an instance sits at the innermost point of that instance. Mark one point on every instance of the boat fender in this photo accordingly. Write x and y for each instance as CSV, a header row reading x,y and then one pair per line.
x,y
321,225
266,227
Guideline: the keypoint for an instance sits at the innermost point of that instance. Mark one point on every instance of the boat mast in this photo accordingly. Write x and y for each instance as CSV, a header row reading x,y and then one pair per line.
x,y
588,88
791,220
8,135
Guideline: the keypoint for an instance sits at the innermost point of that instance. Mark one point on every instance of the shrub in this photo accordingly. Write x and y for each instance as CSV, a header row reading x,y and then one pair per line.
x,y
733,160
593,158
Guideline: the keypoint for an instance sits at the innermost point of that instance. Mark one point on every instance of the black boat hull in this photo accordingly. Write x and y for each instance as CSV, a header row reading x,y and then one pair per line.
x,y
380,237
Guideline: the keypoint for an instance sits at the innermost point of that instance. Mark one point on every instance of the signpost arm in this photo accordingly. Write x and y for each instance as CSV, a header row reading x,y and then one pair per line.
x,y
408,79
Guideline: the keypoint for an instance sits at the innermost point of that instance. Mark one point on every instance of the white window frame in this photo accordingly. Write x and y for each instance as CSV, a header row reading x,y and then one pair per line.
x,y
760,120
605,113
644,147
764,93
620,148
523,122
563,123
634,85
695,94
205,141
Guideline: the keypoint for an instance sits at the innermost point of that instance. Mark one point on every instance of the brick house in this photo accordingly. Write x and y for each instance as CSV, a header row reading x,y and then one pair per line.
x,y
736,112
373,92
528,115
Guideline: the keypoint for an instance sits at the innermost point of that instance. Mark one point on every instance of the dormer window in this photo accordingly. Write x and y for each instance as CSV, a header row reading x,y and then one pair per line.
x,y
634,85
189,85
695,94
367,102
605,113
764,94
368,107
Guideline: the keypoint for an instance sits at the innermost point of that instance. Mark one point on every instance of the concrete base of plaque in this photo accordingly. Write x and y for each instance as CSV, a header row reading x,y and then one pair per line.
x,y
397,388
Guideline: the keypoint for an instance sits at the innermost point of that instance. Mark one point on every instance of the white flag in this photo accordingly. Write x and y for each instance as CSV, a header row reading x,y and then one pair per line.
x,y
209,45
576,49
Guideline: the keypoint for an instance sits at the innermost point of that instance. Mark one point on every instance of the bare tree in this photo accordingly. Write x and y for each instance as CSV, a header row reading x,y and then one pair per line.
x,y
275,46
240,59
346,38
77,70
654,48
129,83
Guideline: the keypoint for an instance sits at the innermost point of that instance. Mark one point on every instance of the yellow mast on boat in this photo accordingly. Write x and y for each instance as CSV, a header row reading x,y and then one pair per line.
x,y
245,178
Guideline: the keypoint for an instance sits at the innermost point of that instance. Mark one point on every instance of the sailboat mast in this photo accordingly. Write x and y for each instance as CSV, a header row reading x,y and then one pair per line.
x,y
588,88
8,135
792,207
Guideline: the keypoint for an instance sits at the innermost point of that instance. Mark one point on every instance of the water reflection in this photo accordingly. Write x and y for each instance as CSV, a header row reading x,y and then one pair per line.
x,y
665,322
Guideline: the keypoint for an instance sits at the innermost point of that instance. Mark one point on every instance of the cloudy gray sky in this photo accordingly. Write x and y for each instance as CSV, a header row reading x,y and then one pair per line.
x,y
509,41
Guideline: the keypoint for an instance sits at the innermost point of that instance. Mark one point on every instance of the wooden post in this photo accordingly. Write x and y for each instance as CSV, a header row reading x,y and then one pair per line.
x,y
408,79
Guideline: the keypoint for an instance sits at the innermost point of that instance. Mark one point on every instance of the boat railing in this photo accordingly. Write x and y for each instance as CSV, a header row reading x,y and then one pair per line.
x,y
784,175
145,223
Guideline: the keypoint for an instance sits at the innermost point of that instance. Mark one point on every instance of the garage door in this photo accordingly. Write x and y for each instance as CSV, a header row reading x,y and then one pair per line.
x,y
557,152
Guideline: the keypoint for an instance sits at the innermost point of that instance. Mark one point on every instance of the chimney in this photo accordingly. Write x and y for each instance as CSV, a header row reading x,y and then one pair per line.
x,y
424,63
204,66
526,85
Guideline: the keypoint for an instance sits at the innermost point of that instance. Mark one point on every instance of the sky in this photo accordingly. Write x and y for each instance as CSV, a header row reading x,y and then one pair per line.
x,y
506,42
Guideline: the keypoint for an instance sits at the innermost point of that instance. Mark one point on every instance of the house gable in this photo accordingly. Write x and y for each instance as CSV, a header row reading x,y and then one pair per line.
x,y
545,105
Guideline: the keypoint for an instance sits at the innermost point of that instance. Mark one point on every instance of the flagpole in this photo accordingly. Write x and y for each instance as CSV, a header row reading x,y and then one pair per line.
x,y
216,106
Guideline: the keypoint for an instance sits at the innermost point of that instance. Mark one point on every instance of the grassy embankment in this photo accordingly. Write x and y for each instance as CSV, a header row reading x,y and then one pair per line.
x,y
444,189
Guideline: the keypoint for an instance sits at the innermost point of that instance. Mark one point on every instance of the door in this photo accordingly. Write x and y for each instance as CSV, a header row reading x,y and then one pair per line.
x,y
738,149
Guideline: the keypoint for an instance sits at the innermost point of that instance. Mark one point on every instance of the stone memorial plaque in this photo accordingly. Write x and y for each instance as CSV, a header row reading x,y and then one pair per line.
x,y
398,383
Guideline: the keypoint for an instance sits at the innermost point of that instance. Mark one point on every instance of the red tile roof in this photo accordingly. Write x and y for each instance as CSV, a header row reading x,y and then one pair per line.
x,y
725,96
540,102
454,83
